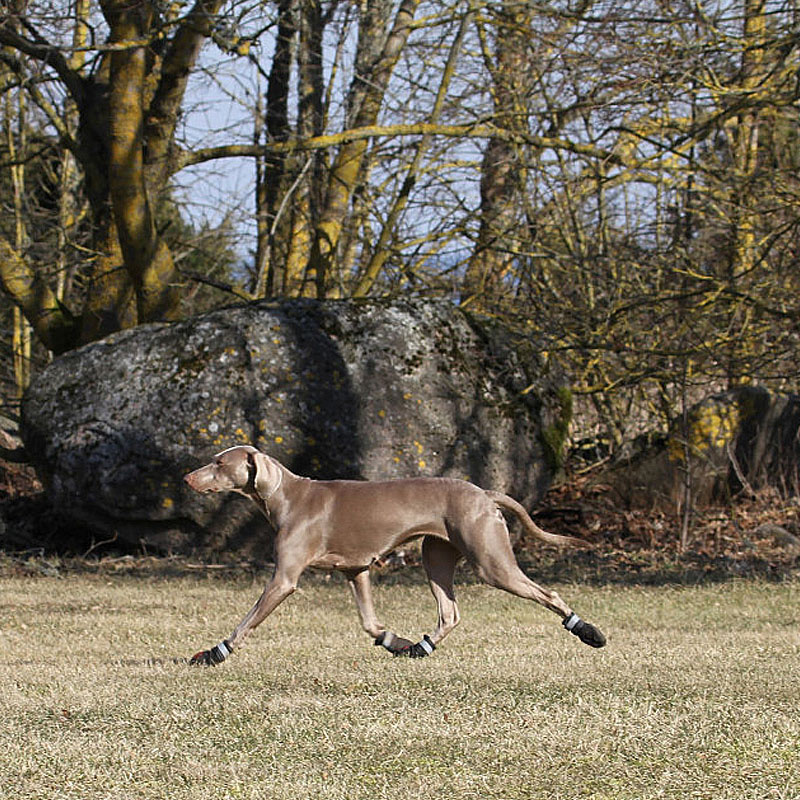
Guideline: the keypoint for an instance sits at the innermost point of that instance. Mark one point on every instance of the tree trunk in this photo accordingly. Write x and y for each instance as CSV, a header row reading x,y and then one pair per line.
x,y
306,202
370,88
503,170
147,259
743,139
51,322
271,249
21,334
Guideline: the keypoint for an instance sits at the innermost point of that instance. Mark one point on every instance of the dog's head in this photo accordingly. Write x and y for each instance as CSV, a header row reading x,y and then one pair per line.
x,y
240,469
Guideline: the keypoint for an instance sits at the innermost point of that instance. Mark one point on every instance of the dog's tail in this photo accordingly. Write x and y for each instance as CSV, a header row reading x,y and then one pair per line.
x,y
504,501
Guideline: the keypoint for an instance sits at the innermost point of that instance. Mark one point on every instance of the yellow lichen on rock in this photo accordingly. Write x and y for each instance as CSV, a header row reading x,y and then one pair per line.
x,y
711,426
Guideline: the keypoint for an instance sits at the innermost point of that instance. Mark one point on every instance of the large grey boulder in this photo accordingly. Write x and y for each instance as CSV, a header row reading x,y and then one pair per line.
x,y
339,389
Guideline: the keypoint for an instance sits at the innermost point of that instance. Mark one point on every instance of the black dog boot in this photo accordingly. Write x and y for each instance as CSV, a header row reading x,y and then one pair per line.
x,y
585,631
210,658
394,644
422,648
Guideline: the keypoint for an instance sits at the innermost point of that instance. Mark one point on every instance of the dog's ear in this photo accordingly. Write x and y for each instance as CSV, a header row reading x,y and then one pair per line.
x,y
268,475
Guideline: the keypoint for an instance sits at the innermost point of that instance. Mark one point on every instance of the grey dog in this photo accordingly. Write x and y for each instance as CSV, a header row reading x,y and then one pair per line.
x,y
348,525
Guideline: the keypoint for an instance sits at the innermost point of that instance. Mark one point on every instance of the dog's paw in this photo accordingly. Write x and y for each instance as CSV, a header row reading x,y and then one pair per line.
x,y
201,659
210,658
419,650
394,644
585,631
592,636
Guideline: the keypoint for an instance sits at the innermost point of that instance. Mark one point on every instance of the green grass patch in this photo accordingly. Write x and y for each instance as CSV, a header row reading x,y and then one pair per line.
x,y
694,697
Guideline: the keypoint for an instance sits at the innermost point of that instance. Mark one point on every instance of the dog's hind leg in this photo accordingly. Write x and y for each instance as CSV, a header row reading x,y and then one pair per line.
x,y
516,582
494,560
439,559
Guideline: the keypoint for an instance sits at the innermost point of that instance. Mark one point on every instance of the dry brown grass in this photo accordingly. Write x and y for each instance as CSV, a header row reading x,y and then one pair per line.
x,y
695,695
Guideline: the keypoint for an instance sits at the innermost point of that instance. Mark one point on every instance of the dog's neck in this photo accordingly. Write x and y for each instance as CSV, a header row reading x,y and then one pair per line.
x,y
270,503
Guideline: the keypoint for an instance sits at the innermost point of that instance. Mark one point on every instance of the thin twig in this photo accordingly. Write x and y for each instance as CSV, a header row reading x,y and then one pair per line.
x,y
737,468
95,545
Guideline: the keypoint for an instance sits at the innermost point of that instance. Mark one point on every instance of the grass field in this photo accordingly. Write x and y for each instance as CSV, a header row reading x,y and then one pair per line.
x,y
696,696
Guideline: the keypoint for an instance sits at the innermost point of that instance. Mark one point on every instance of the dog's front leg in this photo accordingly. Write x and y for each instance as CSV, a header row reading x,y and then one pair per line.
x,y
362,594
279,588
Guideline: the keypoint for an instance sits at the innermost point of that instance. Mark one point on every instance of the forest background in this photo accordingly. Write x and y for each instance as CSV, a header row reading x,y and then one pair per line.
x,y
618,182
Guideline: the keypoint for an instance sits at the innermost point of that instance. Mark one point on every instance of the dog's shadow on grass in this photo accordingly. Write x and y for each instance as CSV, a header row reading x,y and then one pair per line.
x,y
180,661
117,662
